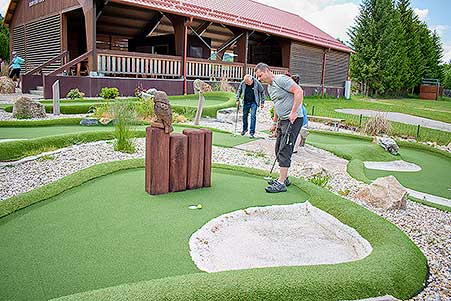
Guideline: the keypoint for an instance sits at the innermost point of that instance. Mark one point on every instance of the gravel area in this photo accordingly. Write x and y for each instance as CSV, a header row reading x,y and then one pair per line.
x,y
9,116
429,228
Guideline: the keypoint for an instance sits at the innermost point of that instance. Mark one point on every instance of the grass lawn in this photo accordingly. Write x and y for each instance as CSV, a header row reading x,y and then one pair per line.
x,y
434,178
437,110
109,232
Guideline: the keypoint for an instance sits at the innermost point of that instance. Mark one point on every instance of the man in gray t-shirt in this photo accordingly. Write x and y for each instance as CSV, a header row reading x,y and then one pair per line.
x,y
287,97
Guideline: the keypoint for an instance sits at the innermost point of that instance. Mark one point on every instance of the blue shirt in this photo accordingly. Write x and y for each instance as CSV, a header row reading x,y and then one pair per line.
x,y
304,116
17,62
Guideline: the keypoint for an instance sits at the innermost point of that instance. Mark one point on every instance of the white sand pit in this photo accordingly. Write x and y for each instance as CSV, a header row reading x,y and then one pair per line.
x,y
398,165
286,235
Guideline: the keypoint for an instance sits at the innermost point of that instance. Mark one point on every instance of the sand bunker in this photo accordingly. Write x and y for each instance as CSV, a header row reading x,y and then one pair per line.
x,y
398,165
288,235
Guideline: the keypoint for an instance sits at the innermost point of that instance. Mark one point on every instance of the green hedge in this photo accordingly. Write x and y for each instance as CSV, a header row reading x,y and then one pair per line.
x,y
395,266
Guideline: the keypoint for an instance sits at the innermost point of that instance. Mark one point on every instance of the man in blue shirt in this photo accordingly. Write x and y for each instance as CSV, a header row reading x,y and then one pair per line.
x,y
254,96
15,67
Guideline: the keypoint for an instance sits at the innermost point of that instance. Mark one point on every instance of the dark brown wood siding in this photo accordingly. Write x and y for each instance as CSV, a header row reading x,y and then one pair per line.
x,y
38,41
307,61
337,64
24,14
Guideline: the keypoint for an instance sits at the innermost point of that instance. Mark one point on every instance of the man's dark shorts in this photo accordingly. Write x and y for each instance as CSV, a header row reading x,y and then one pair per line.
x,y
285,143
14,72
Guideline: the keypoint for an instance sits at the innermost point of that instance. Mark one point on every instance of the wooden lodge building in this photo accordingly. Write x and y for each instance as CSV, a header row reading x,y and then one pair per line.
x,y
166,44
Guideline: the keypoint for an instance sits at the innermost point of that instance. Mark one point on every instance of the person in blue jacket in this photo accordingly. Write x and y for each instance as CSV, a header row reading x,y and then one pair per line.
x,y
15,67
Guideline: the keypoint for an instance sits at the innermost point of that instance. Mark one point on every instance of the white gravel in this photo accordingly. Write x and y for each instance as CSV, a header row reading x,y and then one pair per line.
x,y
4,116
398,165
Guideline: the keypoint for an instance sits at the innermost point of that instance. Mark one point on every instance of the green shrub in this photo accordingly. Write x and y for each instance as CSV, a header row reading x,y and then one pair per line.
x,y
99,110
145,109
109,93
75,94
319,180
125,115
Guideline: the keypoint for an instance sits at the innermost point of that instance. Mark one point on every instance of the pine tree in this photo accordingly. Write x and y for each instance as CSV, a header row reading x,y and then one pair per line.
x,y
415,63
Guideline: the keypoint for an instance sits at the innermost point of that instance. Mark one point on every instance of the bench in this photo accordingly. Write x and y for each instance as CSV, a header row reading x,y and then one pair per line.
x,y
335,121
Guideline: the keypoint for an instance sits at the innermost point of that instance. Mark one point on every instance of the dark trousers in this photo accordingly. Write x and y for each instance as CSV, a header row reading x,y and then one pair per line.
x,y
252,108
285,143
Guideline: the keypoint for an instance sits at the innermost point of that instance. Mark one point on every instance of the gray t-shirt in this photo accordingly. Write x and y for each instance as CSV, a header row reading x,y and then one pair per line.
x,y
282,98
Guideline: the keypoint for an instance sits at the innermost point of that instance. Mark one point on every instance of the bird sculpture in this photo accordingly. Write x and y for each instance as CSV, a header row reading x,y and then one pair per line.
x,y
162,109
201,87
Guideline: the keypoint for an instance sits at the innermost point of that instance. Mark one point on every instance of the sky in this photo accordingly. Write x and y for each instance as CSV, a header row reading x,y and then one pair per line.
x,y
336,16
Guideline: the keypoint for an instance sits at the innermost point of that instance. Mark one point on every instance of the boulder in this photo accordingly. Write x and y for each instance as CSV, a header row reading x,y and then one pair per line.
x,y
388,144
228,115
311,169
385,193
89,122
25,108
7,85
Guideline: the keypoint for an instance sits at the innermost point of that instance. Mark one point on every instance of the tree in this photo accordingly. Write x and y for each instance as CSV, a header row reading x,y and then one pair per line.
x,y
4,40
447,76
414,61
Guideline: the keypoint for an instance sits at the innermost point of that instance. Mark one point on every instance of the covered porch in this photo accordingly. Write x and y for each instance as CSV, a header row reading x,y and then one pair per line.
x,y
137,45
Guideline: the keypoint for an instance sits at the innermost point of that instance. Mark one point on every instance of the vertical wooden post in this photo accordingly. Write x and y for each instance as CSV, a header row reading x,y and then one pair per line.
x,y
178,162
200,106
207,156
196,149
56,97
157,161
323,75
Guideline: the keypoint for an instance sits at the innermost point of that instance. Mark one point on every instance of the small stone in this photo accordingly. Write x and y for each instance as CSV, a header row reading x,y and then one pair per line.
x,y
89,122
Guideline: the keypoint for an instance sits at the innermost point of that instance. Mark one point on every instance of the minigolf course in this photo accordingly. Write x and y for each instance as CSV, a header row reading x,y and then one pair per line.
x,y
97,234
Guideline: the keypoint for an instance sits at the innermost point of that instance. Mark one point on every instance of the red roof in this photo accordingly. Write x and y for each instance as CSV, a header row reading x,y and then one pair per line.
x,y
246,14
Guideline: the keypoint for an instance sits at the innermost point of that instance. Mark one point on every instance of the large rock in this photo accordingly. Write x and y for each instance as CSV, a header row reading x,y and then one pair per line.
x,y
7,85
89,122
229,115
25,108
388,144
385,193
311,169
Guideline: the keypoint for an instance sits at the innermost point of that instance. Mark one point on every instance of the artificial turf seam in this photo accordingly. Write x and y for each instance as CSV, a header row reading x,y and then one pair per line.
x,y
396,266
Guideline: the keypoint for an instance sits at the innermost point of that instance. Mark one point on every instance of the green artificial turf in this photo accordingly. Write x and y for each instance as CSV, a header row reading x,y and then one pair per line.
x,y
50,138
436,110
36,132
108,231
434,178
183,104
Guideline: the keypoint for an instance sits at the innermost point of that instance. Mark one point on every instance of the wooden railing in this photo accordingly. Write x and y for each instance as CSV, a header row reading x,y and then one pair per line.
x,y
275,70
110,62
120,63
64,56
213,70
66,67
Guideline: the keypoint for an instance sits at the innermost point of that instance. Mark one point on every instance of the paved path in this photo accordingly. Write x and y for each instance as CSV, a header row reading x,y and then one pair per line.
x,y
403,118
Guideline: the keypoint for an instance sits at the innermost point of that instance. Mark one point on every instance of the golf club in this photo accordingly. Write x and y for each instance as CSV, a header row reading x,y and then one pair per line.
x,y
286,138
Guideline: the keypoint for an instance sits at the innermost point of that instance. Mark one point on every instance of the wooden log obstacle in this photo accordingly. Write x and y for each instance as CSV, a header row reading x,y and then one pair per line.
x,y
177,162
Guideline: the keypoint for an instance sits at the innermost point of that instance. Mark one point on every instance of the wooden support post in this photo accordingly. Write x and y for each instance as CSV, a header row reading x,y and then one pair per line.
x,y
178,162
200,106
207,156
196,149
157,161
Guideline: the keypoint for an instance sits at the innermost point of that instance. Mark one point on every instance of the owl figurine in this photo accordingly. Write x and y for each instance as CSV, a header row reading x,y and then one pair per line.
x,y
163,111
